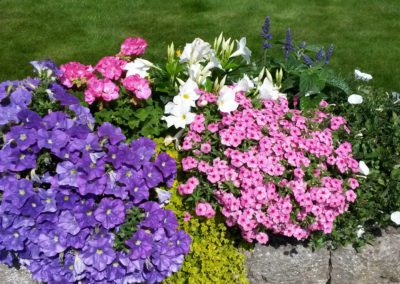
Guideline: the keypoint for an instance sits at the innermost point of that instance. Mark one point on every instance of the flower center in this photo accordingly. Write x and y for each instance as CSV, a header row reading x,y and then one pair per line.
x,y
115,264
16,235
48,200
22,192
135,189
186,96
183,116
49,141
34,205
22,156
149,175
99,251
92,165
113,156
138,242
66,198
163,164
55,239
128,174
108,212
22,137
89,213
73,171
88,147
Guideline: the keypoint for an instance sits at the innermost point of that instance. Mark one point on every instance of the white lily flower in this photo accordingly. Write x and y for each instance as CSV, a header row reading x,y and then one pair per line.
x,y
195,52
198,73
214,62
245,84
187,94
227,100
138,67
363,168
242,50
269,91
180,116
362,76
395,217
355,99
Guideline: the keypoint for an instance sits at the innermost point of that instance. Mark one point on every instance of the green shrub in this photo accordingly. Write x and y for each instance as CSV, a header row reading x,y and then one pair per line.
x,y
375,136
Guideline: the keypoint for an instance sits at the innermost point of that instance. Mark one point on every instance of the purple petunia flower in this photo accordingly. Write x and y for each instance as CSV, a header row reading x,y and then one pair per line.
x,y
85,145
52,243
114,187
67,222
32,207
18,192
98,253
110,133
30,119
61,95
110,212
152,175
67,173
166,165
48,198
83,115
67,201
13,239
141,152
23,137
140,245
84,213
21,98
54,140
46,65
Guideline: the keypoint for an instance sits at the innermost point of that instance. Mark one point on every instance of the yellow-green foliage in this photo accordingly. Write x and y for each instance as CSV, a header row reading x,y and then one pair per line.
x,y
213,257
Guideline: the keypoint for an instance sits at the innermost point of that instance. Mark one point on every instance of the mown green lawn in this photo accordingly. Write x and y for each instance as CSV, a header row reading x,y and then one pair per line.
x,y
365,32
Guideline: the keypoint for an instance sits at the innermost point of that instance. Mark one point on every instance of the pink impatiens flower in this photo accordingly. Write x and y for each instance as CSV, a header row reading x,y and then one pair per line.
x,y
75,73
110,67
186,216
103,89
137,85
133,46
205,209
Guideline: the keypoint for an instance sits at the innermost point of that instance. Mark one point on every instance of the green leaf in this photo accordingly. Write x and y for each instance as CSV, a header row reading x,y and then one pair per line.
x,y
311,102
311,83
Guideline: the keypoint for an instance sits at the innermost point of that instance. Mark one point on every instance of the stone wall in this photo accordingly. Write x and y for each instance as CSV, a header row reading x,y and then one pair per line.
x,y
375,263
296,264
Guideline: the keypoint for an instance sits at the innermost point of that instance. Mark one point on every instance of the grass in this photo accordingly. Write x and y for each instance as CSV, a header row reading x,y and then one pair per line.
x,y
365,33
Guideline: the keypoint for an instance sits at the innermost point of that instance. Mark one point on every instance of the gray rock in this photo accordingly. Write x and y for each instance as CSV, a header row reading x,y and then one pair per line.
x,y
15,276
376,263
288,264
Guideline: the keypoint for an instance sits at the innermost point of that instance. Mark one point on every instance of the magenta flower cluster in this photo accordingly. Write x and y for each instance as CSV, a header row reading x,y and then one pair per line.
x,y
66,190
270,169
103,82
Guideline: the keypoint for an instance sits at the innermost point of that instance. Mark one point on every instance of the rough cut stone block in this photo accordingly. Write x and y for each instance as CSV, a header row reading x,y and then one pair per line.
x,y
377,263
288,264
15,276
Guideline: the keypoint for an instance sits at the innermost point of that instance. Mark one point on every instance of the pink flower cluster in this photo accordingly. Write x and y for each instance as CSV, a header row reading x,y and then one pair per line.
x,y
205,209
278,172
138,85
75,73
101,88
133,46
111,68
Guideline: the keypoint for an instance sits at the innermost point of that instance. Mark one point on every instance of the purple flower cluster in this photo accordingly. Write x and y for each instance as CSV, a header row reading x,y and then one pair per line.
x,y
66,190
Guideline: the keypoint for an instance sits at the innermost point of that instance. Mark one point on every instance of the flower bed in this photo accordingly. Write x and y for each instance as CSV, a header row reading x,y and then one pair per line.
x,y
256,151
